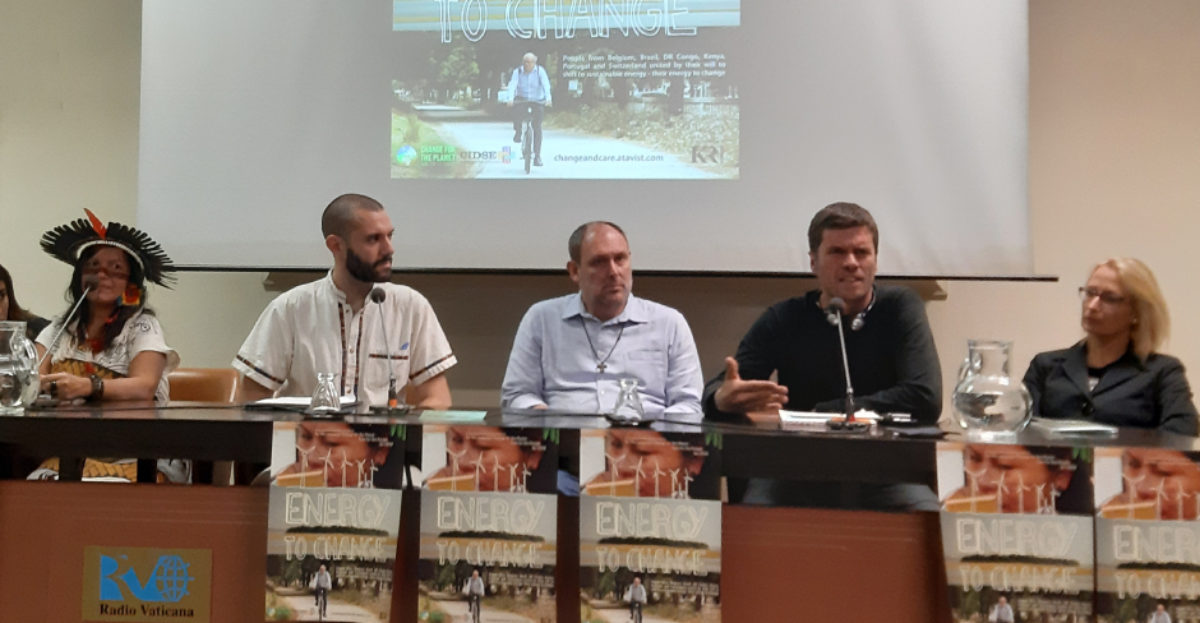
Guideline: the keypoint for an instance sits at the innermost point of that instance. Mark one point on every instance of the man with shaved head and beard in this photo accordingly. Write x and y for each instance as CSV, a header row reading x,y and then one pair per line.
x,y
330,326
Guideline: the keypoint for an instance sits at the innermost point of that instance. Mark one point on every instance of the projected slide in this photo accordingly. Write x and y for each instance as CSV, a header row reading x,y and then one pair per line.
x,y
581,89
258,113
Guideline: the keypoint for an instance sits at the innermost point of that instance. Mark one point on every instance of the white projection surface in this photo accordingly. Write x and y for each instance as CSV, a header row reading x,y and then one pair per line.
x,y
711,130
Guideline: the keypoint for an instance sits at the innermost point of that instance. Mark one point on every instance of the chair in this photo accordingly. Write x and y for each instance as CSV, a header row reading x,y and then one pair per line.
x,y
204,384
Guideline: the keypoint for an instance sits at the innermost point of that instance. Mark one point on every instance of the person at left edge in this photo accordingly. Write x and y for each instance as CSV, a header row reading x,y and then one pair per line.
x,y
328,325
11,310
570,352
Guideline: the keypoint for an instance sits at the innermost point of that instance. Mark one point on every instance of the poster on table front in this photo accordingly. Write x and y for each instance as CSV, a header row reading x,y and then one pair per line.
x,y
1017,531
333,521
489,524
649,526
1147,535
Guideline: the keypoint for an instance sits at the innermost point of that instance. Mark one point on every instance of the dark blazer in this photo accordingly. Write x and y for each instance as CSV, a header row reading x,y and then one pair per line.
x,y
1149,394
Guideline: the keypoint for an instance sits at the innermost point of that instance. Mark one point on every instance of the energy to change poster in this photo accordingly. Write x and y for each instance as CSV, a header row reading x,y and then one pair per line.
x,y
333,521
489,524
649,526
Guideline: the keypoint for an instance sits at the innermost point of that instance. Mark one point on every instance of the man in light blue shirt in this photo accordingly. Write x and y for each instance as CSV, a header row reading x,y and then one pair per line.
x,y
1001,612
529,91
635,596
1159,615
474,594
571,352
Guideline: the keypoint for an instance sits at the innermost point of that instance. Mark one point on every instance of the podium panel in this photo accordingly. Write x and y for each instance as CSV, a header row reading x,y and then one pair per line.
x,y
805,564
779,563
45,527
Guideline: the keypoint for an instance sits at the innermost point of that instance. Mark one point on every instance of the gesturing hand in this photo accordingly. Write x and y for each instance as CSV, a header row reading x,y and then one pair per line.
x,y
740,396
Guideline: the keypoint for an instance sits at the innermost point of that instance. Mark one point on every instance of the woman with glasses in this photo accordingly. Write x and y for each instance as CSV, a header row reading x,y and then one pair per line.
x,y
1113,375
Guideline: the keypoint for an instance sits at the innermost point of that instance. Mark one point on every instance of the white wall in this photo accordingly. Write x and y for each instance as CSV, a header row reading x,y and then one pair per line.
x,y
1114,162
1114,157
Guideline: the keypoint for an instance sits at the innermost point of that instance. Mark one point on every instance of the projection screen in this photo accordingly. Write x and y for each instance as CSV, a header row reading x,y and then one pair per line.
x,y
711,130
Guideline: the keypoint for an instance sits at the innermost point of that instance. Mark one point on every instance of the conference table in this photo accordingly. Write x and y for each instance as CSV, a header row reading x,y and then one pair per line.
x,y
780,564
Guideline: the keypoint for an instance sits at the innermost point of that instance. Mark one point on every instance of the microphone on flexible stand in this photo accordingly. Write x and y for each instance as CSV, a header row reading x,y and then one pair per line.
x,y
378,296
833,313
89,283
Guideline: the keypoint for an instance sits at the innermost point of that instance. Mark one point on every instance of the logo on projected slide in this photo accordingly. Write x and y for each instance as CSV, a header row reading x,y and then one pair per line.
x,y
406,155
145,584
707,154
474,155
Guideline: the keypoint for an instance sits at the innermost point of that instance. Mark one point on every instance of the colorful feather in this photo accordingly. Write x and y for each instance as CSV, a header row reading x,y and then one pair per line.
x,y
132,296
101,230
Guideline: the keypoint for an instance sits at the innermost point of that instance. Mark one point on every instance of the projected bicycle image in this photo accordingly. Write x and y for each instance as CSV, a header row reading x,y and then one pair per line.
x,y
493,89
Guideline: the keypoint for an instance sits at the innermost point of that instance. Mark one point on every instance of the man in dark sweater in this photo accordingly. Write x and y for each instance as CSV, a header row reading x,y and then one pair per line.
x,y
893,362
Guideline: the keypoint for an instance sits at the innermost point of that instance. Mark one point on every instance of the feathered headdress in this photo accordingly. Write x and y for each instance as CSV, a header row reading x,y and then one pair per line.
x,y
67,242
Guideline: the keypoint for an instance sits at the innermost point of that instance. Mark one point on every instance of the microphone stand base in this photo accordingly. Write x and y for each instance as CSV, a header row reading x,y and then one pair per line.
x,y
624,422
386,410
856,426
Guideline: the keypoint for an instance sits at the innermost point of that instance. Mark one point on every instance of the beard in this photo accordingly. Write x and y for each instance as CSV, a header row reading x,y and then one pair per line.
x,y
364,271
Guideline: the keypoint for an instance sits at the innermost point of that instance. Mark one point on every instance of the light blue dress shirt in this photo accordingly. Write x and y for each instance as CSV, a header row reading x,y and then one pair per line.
x,y
533,86
551,362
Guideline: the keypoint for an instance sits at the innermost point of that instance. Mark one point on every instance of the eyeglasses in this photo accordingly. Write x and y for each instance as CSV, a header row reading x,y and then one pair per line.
x,y
1108,298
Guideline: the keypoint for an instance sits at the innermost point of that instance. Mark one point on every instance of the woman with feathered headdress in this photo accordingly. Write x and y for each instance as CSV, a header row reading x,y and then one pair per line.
x,y
108,346
113,347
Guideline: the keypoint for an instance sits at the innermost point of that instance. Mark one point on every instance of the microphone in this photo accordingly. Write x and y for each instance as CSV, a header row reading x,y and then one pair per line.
x,y
89,283
378,296
833,313
837,307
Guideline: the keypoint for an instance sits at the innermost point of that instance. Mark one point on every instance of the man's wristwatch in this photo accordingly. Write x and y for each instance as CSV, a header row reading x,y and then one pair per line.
x,y
97,388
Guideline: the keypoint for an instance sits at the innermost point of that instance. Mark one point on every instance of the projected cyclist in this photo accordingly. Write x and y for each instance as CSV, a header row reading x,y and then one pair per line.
x,y
529,89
